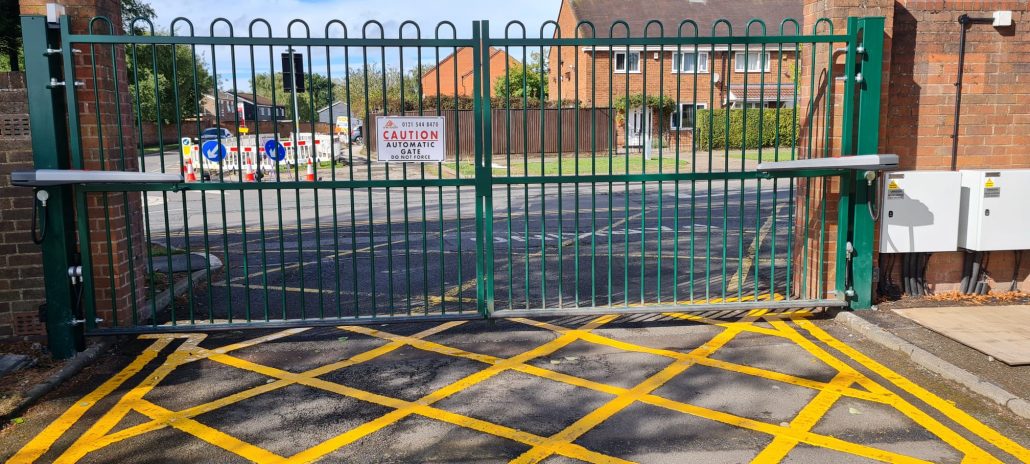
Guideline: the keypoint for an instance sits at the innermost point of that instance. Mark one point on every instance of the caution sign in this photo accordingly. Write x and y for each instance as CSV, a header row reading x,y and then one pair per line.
x,y
410,139
894,191
989,183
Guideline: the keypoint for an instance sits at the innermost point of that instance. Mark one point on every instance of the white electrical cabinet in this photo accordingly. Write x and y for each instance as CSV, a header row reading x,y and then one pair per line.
x,y
995,210
920,213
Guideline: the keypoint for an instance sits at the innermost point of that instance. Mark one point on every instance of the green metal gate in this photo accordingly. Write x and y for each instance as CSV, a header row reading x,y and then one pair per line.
x,y
598,171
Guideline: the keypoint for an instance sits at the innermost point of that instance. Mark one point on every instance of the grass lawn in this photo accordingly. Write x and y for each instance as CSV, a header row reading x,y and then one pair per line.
x,y
587,166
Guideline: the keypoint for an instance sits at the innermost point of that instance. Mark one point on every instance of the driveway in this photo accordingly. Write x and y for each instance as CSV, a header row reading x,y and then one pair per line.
x,y
749,387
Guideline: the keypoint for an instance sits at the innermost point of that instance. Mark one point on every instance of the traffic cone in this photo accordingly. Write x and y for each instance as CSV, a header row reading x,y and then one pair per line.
x,y
249,175
311,171
190,175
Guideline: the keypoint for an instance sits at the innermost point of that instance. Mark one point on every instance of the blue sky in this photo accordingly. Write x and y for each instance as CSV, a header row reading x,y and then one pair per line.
x,y
354,13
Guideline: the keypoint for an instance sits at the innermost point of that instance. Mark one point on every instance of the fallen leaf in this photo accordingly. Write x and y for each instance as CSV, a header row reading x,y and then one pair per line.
x,y
854,411
555,361
18,420
571,358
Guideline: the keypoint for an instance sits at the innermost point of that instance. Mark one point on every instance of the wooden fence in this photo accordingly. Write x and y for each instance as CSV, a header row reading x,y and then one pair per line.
x,y
527,131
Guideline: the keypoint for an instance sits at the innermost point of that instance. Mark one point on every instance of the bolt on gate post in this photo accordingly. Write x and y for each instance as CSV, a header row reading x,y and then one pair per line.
x,y
45,86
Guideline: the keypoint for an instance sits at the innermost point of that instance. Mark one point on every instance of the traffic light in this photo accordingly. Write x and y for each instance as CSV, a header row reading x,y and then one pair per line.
x,y
293,74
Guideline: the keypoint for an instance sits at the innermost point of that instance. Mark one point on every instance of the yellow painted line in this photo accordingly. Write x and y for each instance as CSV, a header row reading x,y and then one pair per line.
x,y
778,449
954,413
947,435
109,420
739,368
776,430
212,435
200,353
165,420
41,443
583,425
402,409
554,345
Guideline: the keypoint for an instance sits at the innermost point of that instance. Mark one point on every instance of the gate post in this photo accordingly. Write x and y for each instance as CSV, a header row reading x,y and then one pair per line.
x,y
859,136
483,171
49,151
867,141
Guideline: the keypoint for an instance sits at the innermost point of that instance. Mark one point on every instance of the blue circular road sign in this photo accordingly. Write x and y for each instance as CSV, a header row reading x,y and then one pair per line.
x,y
213,150
275,150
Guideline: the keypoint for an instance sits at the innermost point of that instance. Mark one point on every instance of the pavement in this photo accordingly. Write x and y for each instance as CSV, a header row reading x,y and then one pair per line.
x,y
1013,379
752,387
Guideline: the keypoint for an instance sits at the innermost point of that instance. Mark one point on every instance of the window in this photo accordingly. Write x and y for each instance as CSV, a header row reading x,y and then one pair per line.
x,y
627,62
687,62
683,117
756,62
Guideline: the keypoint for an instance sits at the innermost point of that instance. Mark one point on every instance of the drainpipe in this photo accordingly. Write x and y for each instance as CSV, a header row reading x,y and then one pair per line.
x,y
964,21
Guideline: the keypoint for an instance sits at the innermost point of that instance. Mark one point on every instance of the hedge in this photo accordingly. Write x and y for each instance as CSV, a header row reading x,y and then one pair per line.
x,y
714,135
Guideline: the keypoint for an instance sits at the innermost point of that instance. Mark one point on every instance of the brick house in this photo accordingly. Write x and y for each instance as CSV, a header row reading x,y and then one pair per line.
x,y
255,108
708,77
453,75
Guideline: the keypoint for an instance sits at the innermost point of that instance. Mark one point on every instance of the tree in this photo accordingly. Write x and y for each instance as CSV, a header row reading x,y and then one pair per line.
x,y
521,81
314,98
175,90
10,36
132,9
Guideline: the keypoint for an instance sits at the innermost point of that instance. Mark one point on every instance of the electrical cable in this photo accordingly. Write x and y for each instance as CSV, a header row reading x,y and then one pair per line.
x,y
1015,270
42,196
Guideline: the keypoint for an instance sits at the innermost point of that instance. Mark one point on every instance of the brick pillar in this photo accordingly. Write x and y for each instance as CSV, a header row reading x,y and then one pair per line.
x,y
820,109
97,104
21,272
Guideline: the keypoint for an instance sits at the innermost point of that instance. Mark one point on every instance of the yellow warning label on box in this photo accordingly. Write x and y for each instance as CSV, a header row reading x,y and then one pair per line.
x,y
893,185
989,183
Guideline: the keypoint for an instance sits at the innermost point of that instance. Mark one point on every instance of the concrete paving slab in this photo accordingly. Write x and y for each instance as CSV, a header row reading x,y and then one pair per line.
x,y
999,331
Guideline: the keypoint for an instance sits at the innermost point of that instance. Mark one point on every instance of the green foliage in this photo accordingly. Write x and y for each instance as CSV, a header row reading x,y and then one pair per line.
x,y
132,9
661,104
520,82
10,36
314,98
175,88
711,130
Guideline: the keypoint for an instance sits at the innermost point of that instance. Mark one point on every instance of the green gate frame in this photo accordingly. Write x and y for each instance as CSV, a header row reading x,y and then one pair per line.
x,y
57,144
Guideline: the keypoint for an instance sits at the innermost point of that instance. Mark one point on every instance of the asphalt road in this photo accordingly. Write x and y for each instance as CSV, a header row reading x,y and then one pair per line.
x,y
302,253
645,388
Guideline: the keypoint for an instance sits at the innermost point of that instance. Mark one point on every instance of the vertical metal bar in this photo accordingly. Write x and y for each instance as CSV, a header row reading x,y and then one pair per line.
x,y
49,142
847,183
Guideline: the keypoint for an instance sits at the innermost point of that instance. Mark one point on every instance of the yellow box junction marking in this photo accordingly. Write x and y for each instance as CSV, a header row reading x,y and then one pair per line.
x,y
798,431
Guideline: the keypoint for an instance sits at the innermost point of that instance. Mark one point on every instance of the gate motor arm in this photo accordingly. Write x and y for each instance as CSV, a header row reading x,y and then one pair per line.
x,y
871,164
41,178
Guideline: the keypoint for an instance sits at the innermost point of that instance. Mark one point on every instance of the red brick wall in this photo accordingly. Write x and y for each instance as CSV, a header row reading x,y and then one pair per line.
x,y
994,126
918,97
21,272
